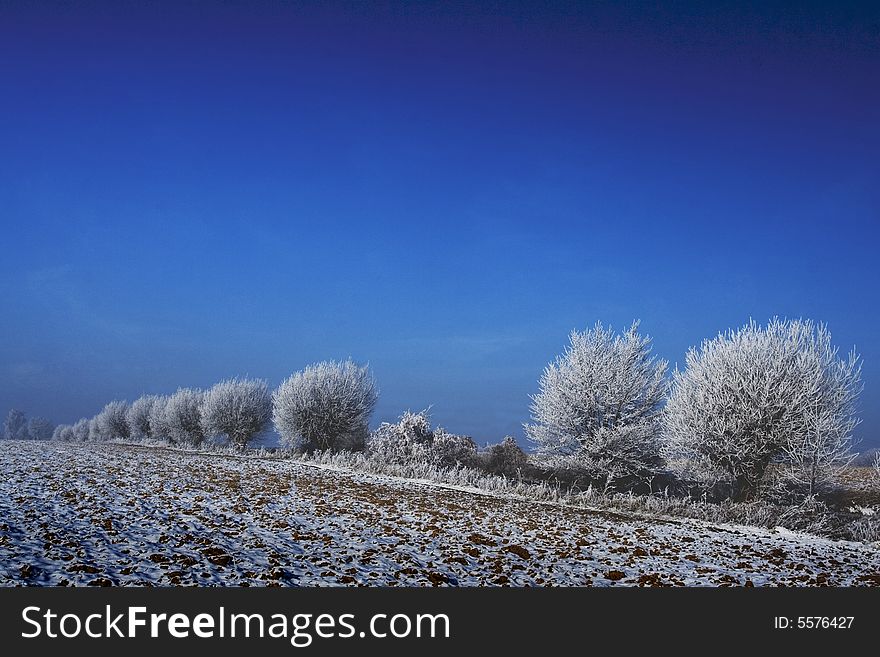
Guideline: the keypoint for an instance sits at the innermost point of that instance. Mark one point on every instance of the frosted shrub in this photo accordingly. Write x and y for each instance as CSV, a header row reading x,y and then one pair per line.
x,y
759,395
139,417
449,449
39,428
238,409
112,421
411,440
598,404
63,433
183,417
325,407
506,458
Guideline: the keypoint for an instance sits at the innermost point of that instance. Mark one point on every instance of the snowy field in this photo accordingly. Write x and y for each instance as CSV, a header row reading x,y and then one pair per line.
x,y
73,514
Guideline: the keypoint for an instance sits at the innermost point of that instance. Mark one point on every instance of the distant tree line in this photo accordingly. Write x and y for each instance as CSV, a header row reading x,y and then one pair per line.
x,y
761,410
16,426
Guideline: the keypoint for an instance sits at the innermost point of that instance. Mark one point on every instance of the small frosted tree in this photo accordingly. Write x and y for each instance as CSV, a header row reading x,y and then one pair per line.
x,y
326,406
62,433
756,396
159,429
183,417
15,425
139,417
238,409
95,434
39,428
598,405
112,421
80,430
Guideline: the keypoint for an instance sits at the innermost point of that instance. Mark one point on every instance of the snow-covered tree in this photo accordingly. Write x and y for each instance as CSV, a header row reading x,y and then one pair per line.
x,y
158,420
238,409
15,425
598,405
759,395
183,416
95,434
39,428
139,417
63,433
412,440
506,458
112,421
326,406
80,430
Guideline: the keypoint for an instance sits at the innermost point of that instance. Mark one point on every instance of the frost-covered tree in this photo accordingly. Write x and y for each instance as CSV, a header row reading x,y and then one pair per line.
x,y
15,425
158,419
183,417
139,417
506,458
62,433
80,430
412,440
39,428
759,395
238,409
112,421
326,406
598,405
94,434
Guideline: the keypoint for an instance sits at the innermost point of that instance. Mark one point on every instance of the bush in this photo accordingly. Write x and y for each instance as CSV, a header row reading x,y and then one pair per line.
x,y
506,458
112,421
325,407
139,417
238,409
760,395
183,415
39,428
598,405
411,440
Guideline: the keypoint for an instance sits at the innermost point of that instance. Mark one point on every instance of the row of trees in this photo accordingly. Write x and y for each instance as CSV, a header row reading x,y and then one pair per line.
x,y
17,426
757,407
754,408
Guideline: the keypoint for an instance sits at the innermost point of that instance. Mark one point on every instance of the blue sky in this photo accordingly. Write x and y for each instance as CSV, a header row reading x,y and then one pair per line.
x,y
191,191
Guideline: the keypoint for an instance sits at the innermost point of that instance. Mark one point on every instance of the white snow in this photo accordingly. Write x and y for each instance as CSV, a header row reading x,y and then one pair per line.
x,y
128,515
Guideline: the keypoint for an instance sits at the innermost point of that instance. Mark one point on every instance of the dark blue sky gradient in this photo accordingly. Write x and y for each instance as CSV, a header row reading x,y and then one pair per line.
x,y
191,191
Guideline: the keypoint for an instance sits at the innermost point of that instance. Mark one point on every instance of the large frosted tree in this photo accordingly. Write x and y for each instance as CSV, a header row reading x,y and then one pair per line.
x,y
326,406
760,395
238,409
183,415
112,421
598,404
139,417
